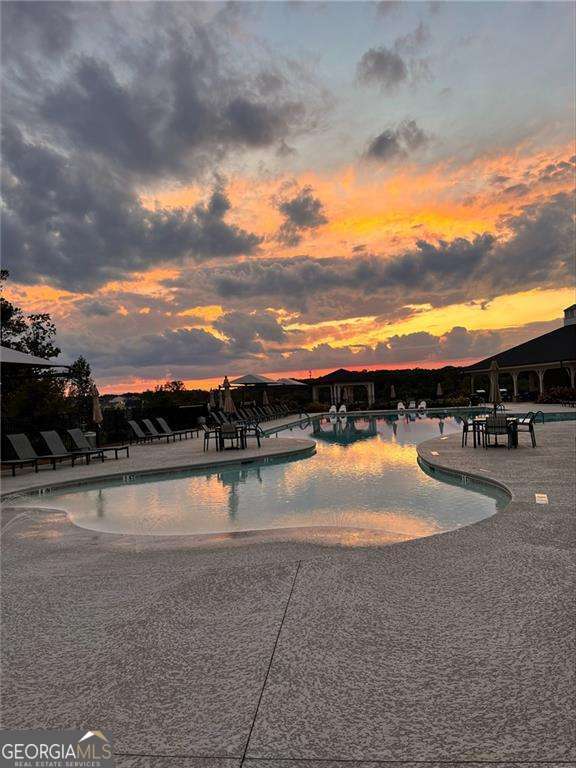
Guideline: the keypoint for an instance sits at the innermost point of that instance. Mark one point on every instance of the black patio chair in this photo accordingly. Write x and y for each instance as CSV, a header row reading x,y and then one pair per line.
x,y
26,453
497,426
163,424
81,444
143,437
210,434
526,424
57,448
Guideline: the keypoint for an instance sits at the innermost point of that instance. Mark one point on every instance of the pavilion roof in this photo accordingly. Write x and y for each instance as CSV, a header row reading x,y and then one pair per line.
x,y
553,347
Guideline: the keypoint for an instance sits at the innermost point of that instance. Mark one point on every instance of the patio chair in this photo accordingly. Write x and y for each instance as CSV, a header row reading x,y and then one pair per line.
x,y
26,453
342,409
26,457
141,436
412,405
333,409
422,405
163,424
230,433
153,431
209,434
526,424
57,447
494,427
401,406
253,430
81,444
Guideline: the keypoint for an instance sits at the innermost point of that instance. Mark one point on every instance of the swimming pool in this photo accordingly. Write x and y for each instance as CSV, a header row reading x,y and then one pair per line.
x,y
364,476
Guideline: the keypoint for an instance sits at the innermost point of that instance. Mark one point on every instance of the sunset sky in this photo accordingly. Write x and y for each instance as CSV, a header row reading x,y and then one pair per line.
x,y
200,189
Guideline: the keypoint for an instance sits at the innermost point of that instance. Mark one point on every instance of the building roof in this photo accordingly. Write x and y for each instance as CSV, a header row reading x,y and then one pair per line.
x,y
572,306
553,347
14,357
251,379
341,376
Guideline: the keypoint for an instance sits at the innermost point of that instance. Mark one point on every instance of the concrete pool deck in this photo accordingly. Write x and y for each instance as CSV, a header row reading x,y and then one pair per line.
x,y
454,648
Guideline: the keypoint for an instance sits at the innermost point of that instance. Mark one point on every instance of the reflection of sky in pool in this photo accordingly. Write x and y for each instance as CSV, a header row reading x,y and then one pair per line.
x,y
364,475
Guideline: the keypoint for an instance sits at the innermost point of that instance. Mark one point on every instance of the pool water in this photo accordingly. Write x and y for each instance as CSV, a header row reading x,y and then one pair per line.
x,y
364,475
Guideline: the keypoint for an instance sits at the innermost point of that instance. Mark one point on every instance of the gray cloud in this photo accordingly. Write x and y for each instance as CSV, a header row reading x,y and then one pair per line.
x,y
382,67
302,212
534,250
74,222
394,143
249,331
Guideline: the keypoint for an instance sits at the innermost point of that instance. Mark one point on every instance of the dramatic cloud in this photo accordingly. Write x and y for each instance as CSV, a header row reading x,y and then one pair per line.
x,y
534,250
395,143
302,212
73,222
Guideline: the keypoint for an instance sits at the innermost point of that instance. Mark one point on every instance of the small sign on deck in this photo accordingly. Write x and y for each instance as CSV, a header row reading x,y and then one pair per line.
x,y
541,498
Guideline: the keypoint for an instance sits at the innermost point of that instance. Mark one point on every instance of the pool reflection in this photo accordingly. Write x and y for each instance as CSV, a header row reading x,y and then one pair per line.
x,y
364,476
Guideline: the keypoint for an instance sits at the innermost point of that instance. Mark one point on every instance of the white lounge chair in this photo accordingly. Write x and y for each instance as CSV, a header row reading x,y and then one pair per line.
x,y
332,409
342,409
422,405
401,406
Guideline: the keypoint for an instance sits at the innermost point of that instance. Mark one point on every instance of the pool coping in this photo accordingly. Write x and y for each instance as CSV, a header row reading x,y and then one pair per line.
x,y
47,487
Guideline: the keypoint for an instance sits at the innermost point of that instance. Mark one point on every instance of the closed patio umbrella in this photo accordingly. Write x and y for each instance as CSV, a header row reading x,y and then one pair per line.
x,y
211,400
495,395
392,393
439,392
97,417
228,406
220,399
264,398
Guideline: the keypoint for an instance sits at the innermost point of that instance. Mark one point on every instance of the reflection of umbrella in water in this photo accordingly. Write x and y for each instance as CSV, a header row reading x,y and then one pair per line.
x,y
395,427
100,504
495,395
441,426
392,393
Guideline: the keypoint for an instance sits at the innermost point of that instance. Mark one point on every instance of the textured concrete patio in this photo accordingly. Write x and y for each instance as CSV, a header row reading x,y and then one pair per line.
x,y
285,652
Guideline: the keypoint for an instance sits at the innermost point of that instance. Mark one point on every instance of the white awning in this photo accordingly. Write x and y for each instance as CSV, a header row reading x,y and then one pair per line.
x,y
252,378
290,383
13,357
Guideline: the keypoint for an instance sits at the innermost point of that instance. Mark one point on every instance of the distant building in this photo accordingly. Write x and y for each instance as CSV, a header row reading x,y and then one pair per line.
x,y
570,315
535,358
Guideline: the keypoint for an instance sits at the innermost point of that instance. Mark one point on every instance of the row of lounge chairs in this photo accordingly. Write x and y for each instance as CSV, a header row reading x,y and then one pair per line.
x,y
57,451
252,415
148,432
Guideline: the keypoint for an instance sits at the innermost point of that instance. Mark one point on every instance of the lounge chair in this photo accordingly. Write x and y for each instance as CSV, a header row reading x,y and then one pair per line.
x,y
342,409
422,405
81,443
332,409
57,447
163,424
412,405
21,461
141,436
401,406
153,431
26,453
